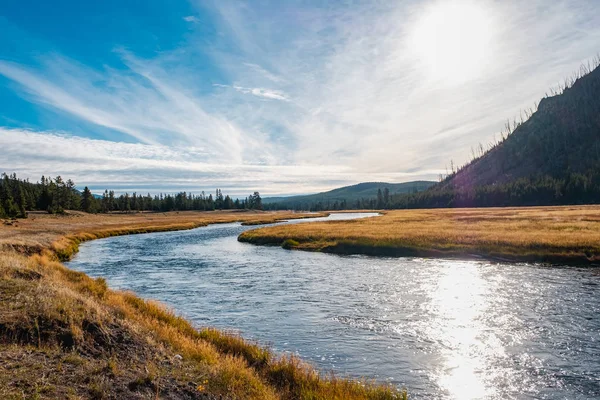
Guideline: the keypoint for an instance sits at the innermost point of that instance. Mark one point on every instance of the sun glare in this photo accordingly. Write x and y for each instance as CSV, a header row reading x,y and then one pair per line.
x,y
460,329
452,40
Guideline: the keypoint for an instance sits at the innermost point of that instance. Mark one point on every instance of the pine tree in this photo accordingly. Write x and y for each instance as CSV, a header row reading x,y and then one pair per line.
x,y
255,202
105,207
57,190
87,200
111,200
43,201
70,194
21,202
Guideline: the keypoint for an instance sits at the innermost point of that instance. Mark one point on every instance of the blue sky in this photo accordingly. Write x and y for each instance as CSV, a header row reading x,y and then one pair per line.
x,y
278,96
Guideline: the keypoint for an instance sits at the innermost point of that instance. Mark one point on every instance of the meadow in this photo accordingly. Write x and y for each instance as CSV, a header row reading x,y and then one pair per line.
x,y
565,234
66,335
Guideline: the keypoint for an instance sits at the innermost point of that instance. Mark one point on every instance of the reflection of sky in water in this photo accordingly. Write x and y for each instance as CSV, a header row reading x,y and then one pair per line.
x,y
445,329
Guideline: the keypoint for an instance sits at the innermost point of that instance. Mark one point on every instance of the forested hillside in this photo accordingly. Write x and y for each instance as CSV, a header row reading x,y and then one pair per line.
x,y
366,195
57,195
551,158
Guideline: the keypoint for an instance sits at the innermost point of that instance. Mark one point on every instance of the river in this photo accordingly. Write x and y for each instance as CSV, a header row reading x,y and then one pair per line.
x,y
443,329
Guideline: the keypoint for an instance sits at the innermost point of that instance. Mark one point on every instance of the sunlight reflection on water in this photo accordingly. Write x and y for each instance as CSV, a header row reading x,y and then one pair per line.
x,y
458,302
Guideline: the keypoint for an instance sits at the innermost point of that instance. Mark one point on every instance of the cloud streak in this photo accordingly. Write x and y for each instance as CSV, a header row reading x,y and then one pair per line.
x,y
192,19
258,92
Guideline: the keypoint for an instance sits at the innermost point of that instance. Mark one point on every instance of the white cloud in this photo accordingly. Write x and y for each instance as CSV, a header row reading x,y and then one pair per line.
x,y
258,92
191,18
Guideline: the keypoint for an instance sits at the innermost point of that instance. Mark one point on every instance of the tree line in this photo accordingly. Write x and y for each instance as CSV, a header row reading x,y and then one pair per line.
x,y
543,190
55,195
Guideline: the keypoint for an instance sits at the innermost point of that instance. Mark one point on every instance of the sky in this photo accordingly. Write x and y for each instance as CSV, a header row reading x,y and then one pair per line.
x,y
282,97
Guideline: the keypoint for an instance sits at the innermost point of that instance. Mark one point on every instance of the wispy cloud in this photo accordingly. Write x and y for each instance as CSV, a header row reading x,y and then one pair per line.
x,y
142,103
258,92
270,76
192,19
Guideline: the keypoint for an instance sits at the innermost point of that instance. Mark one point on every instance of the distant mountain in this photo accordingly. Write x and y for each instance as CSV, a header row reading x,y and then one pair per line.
x,y
552,158
348,194
96,196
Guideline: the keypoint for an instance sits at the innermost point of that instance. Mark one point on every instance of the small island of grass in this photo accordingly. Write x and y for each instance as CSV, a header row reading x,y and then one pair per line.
x,y
568,234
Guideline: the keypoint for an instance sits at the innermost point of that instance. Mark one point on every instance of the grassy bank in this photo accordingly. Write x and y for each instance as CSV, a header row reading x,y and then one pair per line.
x,y
62,233
540,234
66,335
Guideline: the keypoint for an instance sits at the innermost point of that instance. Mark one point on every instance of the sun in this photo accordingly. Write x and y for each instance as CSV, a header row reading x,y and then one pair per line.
x,y
452,40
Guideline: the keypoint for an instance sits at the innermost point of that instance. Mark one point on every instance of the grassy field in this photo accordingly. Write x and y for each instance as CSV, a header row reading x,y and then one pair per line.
x,y
65,335
544,234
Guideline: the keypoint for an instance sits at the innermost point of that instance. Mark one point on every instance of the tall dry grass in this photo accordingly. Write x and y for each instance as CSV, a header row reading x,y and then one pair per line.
x,y
561,234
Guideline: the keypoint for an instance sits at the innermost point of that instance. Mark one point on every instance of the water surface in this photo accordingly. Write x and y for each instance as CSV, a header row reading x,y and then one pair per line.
x,y
444,329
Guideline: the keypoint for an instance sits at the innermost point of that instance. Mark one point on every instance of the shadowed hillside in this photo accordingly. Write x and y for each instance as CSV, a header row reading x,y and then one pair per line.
x,y
551,158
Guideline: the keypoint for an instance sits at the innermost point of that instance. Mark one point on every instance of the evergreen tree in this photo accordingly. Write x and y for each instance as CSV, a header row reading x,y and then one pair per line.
x,y
105,200
219,200
44,200
57,192
255,201
21,203
111,201
71,196
87,200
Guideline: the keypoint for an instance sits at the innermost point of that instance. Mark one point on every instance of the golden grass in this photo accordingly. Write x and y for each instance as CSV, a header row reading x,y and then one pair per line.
x,y
548,234
66,335
42,231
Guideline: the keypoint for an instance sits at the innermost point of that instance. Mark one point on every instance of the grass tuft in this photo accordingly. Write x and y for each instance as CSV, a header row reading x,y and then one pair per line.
x,y
290,244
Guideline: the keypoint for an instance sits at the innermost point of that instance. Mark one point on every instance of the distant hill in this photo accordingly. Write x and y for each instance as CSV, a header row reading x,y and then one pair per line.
x,y
366,191
552,158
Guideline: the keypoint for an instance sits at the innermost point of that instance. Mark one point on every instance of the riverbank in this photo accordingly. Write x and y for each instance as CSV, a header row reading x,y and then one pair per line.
x,y
569,234
62,233
66,335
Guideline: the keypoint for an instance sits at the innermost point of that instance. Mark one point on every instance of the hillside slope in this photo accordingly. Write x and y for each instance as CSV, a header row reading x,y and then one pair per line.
x,y
561,138
552,158
349,194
